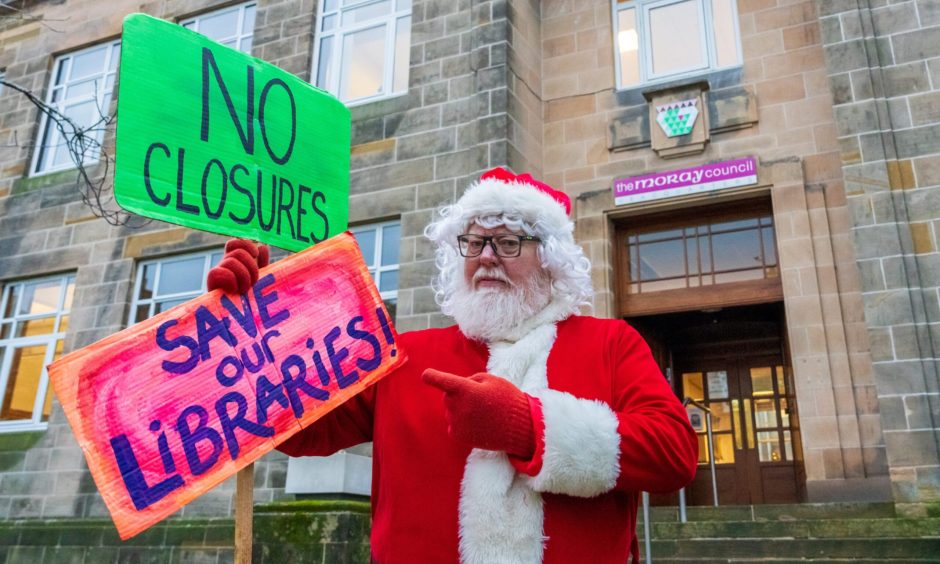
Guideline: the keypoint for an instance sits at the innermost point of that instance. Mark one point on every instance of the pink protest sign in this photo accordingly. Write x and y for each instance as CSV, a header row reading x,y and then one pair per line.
x,y
169,408
705,178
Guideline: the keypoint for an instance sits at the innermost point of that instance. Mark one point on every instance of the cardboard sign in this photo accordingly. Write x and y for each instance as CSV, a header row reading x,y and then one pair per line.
x,y
211,138
697,179
169,408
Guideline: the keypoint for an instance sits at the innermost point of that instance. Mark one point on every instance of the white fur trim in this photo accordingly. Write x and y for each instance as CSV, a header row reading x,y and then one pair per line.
x,y
490,196
501,517
582,446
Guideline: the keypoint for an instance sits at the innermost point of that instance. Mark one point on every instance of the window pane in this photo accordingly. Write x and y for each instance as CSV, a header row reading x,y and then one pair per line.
x,y
366,13
765,413
325,68
788,445
402,54
724,448
391,237
88,63
736,251
34,327
248,24
784,412
665,259
628,45
168,304
23,382
726,48
762,383
12,295
219,26
146,284
181,276
363,70
115,57
692,385
770,250
721,416
82,89
142,313
41,297
366,240
768,447
392,306
676,38
329,5
245,45
389,281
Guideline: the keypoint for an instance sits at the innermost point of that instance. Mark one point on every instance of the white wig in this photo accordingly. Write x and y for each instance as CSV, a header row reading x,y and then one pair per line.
x,y
518,205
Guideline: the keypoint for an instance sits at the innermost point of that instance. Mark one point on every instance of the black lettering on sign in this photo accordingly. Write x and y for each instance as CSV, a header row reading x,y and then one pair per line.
x,y
157,200
262,104
246,134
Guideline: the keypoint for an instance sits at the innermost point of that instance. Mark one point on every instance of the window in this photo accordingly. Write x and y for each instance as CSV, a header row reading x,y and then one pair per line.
x,y
702,254
379,244
165,283
81,91
233,26
658,40
363,48
35,318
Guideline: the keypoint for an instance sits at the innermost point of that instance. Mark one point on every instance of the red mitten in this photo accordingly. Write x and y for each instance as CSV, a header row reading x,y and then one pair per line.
x,y
238,269
486,411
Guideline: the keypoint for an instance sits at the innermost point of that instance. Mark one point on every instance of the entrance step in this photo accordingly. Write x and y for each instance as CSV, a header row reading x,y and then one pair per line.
x,y
786,512
819,533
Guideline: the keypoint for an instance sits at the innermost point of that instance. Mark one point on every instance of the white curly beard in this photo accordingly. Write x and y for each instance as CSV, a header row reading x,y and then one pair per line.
x,y
490,314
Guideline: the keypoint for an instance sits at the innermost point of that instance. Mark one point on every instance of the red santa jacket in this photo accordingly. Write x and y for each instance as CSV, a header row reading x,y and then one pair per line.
x,y
609,427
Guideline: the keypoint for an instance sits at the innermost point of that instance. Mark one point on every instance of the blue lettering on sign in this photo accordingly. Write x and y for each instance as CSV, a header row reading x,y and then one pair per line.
x,y
286,385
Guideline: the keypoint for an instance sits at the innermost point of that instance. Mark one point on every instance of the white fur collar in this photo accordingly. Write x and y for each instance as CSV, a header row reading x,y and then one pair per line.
x,y
501,517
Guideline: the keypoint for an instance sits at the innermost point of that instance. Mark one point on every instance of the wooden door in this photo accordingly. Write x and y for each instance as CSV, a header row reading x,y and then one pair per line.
x,y
752,429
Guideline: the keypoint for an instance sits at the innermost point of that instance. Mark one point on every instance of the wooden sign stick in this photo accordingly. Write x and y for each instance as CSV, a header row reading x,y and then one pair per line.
x,y
244,513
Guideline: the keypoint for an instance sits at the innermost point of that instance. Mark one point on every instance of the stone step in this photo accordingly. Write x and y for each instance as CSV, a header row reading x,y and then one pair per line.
x,y
793,549
788,512
813,528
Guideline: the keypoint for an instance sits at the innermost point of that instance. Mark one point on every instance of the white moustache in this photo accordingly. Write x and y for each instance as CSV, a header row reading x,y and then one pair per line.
x,y
493,273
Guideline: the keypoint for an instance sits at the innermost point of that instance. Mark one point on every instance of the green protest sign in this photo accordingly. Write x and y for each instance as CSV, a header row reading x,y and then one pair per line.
x,y
214,139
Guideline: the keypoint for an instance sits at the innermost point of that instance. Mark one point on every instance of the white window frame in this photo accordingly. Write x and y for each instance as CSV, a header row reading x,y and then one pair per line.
x,y
210,258
239,36
708,45
378,269
102,97
49,340
339,32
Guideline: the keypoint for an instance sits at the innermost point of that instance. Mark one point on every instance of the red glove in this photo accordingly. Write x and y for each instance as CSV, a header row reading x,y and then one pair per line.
x,y
238,269
486,412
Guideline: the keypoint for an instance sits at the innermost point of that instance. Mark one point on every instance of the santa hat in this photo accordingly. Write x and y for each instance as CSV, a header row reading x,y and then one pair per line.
x,y
500,192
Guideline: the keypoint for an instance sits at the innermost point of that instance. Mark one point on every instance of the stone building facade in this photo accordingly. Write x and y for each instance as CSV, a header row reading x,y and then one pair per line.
x,y
837,102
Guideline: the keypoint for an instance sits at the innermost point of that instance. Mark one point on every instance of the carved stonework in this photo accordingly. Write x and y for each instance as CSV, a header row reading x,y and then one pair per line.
x,y
682,124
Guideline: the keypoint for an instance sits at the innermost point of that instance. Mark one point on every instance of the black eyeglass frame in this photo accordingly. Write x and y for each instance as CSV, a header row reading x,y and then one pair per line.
x,y
491,241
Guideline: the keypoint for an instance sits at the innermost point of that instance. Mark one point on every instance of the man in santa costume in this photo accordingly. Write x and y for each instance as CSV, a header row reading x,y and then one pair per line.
x,y
525,433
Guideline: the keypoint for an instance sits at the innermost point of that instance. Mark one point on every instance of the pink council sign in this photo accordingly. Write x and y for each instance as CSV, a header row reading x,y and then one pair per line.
x,y
705,178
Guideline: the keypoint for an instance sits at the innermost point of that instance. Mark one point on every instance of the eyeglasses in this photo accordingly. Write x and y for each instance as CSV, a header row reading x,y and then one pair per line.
x,y
506,246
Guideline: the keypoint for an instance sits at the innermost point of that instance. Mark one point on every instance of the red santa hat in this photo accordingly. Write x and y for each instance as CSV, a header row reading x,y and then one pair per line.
x,y
500,192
